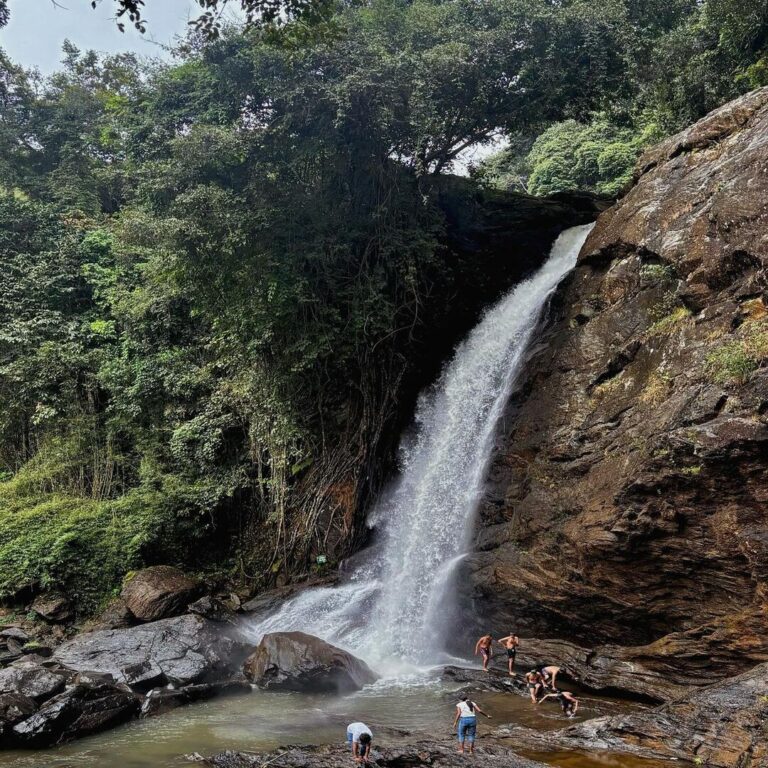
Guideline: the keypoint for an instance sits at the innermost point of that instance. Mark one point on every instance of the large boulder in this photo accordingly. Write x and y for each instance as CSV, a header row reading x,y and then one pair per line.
x,y
79,711
722,726
182,650
295,661
159,592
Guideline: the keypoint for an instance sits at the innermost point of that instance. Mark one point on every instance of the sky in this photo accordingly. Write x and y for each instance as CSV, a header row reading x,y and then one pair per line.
x,y
39,27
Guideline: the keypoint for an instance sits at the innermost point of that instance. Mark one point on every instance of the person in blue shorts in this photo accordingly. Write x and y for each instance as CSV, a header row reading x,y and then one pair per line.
x,y
359,737
466,720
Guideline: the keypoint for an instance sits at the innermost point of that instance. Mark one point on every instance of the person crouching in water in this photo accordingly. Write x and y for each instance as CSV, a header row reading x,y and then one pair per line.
x,y
568,702
466,719
535,683
359,737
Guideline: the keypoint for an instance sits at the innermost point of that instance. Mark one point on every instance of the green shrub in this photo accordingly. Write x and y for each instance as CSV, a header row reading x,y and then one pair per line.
x,y
734,361
666,323
78,545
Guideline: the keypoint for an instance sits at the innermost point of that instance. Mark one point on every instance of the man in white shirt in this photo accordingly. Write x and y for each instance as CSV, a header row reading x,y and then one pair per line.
x,y
359,737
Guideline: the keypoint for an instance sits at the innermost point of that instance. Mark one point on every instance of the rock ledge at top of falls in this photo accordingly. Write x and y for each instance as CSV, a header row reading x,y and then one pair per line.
x,y
295,661
421,753
625,502
722,725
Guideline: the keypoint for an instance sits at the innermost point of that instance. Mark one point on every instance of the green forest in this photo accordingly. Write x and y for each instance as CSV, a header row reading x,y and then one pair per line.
x,y
218,271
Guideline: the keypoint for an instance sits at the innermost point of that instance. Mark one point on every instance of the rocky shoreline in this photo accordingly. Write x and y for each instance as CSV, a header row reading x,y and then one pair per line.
x,y
421,753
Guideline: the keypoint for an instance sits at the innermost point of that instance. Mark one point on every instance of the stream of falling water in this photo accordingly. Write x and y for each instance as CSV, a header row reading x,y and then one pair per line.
x,y
392,608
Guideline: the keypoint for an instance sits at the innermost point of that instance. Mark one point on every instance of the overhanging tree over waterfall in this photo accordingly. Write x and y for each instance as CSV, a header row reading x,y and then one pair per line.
x,y
220,271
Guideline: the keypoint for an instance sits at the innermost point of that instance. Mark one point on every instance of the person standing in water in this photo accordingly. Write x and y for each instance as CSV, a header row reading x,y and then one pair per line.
x,y
484,646
568,702
466,720
535,684
510,642
359,737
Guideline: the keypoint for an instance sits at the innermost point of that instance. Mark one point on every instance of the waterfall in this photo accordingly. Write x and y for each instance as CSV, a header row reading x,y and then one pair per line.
x,y
391,608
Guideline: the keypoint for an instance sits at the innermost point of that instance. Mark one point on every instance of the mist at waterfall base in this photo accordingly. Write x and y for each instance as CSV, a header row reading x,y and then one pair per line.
x,y
397,606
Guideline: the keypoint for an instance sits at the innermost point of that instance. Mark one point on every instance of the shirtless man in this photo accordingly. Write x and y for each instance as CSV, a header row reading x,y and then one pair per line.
x,y
568,702
535,684
484,646
510,642
549,676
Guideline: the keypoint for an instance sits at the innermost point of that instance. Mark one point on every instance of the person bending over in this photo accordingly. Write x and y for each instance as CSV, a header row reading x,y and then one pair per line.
x,y
359,737
466,720
568,702
484,646
549,675
510,642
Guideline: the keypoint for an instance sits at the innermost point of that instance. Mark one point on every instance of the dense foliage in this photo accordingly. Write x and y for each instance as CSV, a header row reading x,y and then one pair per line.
x,y
681,60
216,274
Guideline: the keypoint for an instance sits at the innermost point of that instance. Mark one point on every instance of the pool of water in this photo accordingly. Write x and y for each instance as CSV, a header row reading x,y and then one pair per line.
x,y
262,721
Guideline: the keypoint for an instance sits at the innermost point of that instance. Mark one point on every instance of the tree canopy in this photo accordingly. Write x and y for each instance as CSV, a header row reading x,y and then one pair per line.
x,y
217,272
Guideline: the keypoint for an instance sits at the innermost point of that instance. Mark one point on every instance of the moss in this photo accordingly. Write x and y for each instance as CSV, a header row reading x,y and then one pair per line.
x,y
668,322
608,387
79,545
692,471
656,273
656,389
734,361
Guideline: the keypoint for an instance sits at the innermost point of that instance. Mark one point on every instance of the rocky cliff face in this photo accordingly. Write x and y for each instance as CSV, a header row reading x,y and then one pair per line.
x,y
627,497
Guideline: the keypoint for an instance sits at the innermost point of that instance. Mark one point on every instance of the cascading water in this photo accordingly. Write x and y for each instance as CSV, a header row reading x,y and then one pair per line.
x,y
389,610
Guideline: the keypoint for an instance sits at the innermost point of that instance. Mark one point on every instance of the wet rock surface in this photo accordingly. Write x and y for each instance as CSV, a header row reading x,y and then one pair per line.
x,y
422,753
159,592
161,700
182,650
723,725
31,680
104,678
295,661
79,711
625,510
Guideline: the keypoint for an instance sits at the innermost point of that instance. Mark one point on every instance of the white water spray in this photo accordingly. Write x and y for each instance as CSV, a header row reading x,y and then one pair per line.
x,y
391,608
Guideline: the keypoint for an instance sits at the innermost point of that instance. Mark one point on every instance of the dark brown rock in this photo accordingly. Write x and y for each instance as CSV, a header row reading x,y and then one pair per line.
x,y
723,725
115,616
212,608
626,500
161,700
421,753
295,661
15,707
159,592
53,608
79,711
